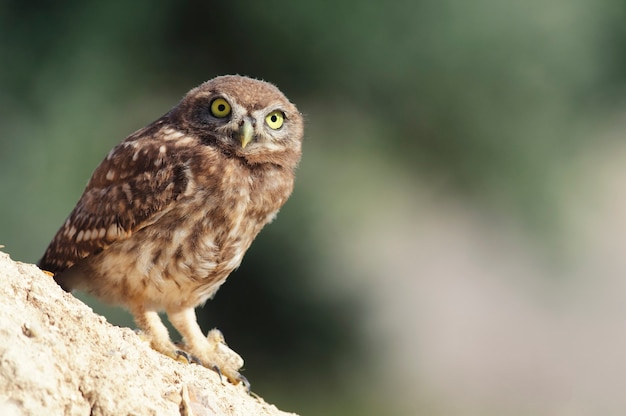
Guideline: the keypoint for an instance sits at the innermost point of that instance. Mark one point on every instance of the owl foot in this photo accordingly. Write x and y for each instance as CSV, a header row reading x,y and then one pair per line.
x,y
244,381
220,358
211,349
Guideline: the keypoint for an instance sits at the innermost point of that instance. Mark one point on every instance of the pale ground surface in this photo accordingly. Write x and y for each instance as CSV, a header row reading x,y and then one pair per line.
x,y
59,358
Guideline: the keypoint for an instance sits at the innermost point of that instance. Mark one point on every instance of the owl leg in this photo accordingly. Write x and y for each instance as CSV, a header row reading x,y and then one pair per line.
x,y
211,350
154,329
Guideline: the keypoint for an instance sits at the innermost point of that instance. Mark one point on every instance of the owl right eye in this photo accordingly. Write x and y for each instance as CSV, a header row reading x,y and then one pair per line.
x,y
220,108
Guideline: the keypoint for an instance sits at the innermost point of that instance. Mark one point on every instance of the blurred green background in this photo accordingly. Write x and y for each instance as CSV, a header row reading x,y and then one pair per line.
x,y
455,242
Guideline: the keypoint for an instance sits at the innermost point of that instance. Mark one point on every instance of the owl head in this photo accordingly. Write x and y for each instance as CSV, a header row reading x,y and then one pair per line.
x,y
245,118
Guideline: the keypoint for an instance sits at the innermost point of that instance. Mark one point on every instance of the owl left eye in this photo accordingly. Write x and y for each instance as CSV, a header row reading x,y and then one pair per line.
x,y
275,119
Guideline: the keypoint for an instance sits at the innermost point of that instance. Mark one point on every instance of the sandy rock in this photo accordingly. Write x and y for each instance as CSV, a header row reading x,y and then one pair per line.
x,y
59,358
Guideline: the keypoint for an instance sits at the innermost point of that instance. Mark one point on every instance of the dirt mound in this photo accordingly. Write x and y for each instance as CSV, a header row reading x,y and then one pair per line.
x,y
59,358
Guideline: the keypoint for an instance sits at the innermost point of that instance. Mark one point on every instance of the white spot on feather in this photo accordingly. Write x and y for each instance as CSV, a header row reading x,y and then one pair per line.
x,y
179,236
159,160
112,232
171,134
185,140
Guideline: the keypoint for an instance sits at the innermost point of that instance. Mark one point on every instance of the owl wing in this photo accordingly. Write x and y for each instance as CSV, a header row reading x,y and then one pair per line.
x,y
133,186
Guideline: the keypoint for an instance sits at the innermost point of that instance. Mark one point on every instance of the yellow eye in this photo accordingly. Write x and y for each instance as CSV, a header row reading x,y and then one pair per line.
x,y
275,119
220,108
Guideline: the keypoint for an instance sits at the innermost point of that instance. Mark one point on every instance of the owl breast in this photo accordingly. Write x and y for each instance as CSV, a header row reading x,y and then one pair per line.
x,y
183,258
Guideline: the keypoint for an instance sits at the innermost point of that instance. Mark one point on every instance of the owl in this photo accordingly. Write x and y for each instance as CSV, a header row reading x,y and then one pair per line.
x,y
171,210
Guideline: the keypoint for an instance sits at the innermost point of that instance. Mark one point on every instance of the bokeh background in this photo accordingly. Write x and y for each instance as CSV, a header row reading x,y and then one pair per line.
x,y
456,240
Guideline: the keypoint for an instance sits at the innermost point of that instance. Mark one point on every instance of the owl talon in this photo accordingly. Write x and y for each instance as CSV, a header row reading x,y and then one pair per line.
x,y
180,354
239,379
188,358
219,372
246,384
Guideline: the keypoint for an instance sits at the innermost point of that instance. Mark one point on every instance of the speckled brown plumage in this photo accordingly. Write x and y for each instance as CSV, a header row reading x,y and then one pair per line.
x,y
170,212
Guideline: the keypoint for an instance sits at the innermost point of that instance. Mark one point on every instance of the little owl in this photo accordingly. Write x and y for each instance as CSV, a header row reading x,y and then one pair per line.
x,y
171,210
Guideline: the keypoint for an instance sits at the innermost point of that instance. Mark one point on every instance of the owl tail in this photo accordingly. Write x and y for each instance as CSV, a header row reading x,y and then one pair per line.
x,y
71,279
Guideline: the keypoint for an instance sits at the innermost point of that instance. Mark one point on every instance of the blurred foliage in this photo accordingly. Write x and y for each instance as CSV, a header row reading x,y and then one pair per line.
x,y
486,98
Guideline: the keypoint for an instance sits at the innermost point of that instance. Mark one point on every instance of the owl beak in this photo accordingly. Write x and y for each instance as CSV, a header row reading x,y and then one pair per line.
x,y
246,133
